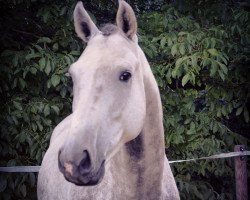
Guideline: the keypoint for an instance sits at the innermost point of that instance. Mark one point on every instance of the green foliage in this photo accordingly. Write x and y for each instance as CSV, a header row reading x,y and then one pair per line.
x,y
203,76
36,95
200,60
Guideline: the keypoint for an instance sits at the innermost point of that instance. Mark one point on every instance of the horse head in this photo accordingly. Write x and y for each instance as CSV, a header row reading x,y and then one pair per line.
x,y
108,96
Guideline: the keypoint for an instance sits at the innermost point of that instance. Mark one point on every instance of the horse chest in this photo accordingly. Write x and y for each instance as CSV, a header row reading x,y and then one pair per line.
x,y
52,184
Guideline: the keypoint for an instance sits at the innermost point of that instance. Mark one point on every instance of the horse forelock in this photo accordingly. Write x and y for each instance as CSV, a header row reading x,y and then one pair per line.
x,y
108,29
111,29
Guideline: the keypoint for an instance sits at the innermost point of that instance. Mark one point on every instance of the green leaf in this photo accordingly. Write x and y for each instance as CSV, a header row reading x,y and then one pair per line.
x,y
34,127
63,92
75,53
55,46
174,50
163,42
38,154
48,68
213,43
224,59
190,132
55,80
42,63
44,40
182,49
33,109
170,42
213,52
39,48
214,68
67,60
221,75
15,60
246,115
17,105
224,111
239,110
33,70
182,33
192,125
46,110
63,10
187,121
56,109
49,84
22,83
15,120
218,114
224,68
179,61
40,127
32,55
205,62
194,60
23,190
185,79
230,108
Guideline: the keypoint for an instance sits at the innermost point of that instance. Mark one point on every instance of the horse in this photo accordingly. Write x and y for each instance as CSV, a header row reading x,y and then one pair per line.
x,y
112,144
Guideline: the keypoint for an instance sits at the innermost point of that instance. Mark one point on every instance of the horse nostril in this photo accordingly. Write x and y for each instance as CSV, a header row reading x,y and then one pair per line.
x,y
85,164
59,161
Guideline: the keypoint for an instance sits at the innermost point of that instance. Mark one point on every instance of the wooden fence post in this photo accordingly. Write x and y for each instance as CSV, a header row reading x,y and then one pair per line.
x,y
240,174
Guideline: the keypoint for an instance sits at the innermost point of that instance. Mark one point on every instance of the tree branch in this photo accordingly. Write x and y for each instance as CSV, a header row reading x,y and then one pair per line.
x,y
26,33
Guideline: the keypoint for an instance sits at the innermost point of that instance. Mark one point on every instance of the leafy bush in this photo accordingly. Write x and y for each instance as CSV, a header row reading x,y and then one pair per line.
x,y
203,76
201,63
36,93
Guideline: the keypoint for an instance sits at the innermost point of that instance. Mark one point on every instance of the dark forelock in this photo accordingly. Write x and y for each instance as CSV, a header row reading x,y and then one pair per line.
x,y
108,29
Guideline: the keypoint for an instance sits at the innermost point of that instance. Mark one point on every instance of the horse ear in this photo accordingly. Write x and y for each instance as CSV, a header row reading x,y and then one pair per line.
x,y
126,19
84,26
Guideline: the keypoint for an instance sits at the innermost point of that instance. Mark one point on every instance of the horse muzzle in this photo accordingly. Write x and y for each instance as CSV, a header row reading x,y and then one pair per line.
x,y
82,174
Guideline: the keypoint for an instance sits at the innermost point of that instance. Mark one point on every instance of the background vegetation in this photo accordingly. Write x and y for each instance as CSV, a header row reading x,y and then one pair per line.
x,y
199,53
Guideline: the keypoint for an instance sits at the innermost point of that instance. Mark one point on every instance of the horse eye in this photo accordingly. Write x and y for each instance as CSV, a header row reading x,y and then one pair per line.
x,y
125,76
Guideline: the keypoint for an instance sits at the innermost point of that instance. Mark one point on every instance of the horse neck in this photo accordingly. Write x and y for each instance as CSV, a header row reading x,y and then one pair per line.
x,y
142,159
